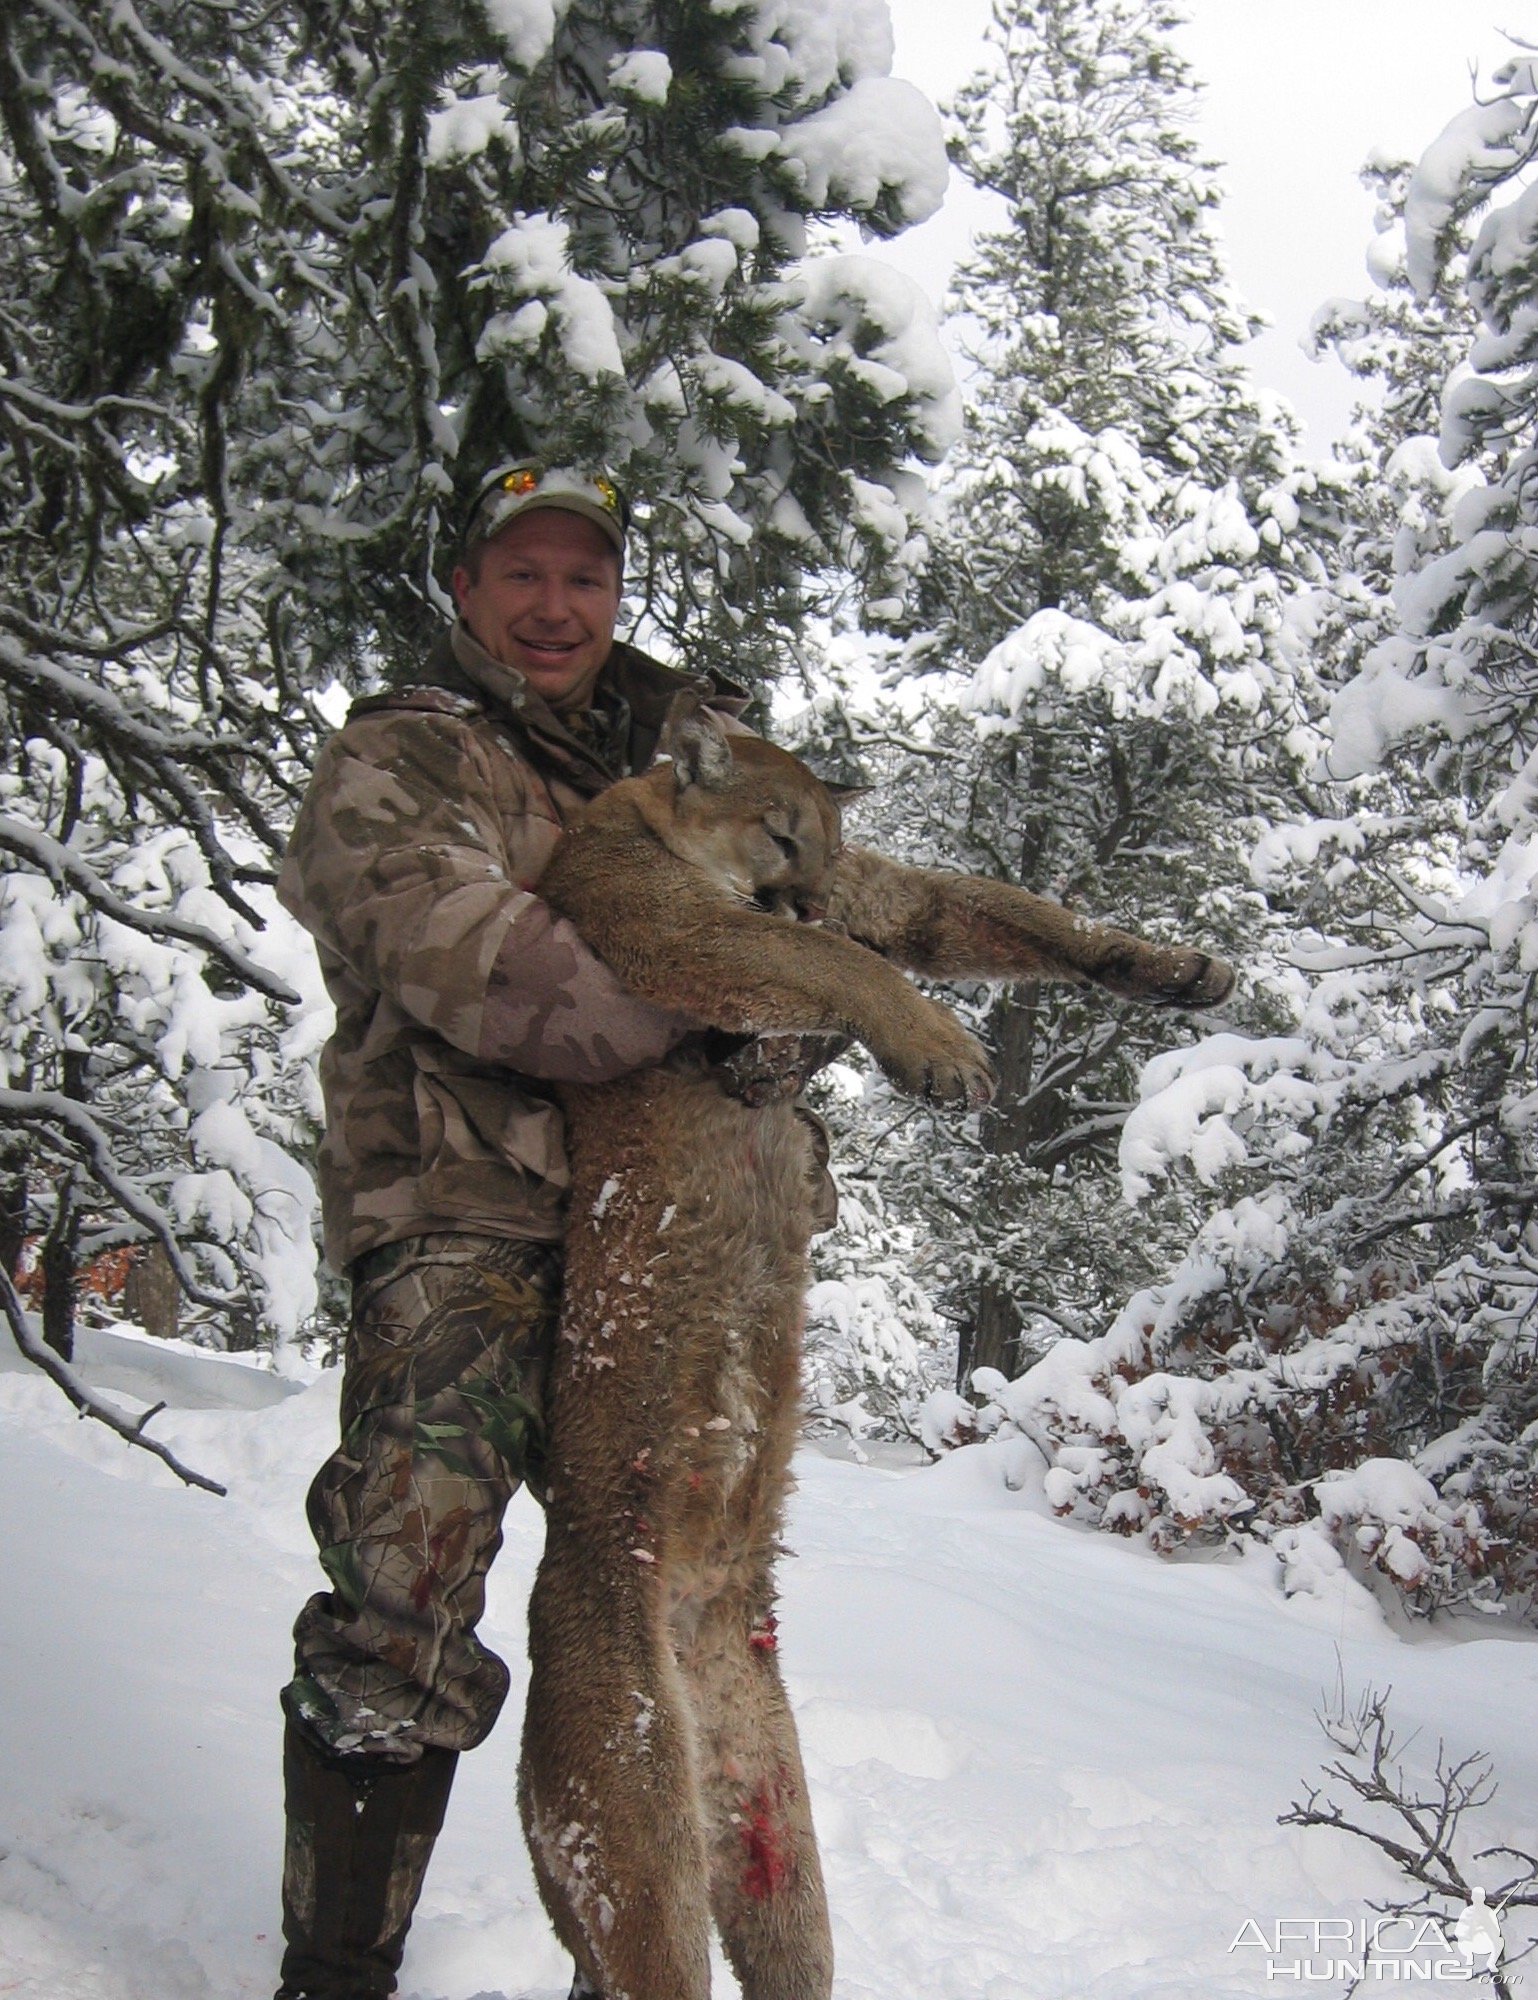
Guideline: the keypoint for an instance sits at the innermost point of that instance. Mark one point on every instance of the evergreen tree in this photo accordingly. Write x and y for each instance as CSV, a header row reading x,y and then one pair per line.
x,y
276,286
1122,535
1107,333
1343,1360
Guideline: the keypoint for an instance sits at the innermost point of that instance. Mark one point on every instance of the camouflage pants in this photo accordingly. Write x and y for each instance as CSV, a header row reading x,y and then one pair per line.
x,y
445,1364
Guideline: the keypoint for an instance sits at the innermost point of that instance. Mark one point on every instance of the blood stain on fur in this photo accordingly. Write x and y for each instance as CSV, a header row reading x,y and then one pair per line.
x,y
768,1857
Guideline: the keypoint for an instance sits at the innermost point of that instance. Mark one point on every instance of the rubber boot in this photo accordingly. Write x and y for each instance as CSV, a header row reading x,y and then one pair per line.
x,y
360,1833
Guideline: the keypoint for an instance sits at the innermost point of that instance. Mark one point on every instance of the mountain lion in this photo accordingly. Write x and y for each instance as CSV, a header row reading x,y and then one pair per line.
x,y
661,1782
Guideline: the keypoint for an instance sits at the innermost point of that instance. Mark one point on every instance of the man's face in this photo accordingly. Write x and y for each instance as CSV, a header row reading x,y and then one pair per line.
x,y
544,599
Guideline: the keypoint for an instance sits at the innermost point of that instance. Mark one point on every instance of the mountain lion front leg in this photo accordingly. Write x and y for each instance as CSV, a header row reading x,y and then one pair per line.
x,y
748,973
968,927
742,971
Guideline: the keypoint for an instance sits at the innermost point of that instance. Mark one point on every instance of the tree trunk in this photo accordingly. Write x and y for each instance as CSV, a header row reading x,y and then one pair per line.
x,y
60,1282
993,1338
13,1204
1012,1124
61,1247
151,1295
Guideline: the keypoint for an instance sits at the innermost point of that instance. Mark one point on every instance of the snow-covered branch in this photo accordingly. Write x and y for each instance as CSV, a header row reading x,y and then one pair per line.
x,y
91,1143
85,1400
63,866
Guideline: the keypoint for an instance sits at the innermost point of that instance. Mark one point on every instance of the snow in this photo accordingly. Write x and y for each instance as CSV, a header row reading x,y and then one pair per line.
x,y
1483,139
1500,266
737,387
1190,1098
526,27
1050,644
1400,1514
530,259
644,74
1390,699
805,49
1504,903
749,142
870,315
1044,1765
737,226
882,136
467,127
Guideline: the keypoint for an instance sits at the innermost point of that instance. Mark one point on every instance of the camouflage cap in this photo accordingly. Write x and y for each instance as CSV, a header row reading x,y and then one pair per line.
x,y
524,485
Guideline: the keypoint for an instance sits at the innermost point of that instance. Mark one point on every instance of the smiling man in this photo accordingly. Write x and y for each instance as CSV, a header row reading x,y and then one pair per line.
x,y
539,589
461,1002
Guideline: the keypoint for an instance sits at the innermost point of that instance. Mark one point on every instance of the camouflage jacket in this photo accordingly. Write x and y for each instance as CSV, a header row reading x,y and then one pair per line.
x,y
461,998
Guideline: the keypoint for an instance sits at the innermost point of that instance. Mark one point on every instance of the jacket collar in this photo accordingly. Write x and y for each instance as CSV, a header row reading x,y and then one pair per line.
x,y
645,688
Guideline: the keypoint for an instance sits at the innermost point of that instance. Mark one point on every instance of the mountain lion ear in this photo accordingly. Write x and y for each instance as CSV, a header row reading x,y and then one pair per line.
x,y
695,740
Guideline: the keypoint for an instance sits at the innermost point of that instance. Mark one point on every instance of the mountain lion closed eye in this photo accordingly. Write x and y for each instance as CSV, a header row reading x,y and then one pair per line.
x,y
661,1783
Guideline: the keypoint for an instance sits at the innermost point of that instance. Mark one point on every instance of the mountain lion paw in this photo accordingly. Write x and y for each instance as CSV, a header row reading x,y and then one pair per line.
x,y
960,1073
969,1082
1165,976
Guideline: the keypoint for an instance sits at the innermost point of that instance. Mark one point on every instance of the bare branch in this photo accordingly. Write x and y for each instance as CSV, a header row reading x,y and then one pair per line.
x,y
1370,1769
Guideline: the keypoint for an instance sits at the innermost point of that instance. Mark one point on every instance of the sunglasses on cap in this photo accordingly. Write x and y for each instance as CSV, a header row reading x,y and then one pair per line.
x,y
526,485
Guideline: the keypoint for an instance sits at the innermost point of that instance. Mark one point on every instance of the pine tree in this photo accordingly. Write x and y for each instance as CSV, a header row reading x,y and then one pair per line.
x,y
277,285
1343,1360
1104,317
1440,714
1122,535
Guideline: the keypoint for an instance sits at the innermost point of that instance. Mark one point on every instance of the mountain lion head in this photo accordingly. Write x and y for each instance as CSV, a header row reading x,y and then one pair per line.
x,y
749,816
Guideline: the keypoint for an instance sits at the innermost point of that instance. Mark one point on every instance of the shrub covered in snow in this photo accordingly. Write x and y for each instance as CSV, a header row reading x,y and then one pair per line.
x,y
1293,1424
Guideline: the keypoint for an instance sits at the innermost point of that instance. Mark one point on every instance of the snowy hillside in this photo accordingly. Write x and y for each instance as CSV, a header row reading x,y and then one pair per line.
x,y
1045,1765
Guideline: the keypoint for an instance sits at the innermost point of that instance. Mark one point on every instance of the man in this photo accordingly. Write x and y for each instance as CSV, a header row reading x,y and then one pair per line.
x,y
461,1001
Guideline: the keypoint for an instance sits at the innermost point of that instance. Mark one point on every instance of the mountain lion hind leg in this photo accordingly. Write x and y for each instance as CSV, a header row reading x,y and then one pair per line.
x,y
766,1886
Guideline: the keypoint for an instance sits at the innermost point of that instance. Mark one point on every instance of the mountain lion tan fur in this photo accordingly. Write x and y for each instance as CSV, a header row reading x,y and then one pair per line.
x,y
661,1782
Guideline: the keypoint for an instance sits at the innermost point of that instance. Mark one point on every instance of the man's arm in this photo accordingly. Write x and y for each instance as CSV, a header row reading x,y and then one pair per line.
x,y
553,1009
409,866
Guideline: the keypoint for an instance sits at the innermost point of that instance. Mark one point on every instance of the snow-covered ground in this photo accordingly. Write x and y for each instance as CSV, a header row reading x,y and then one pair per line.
x,y
1045,1765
